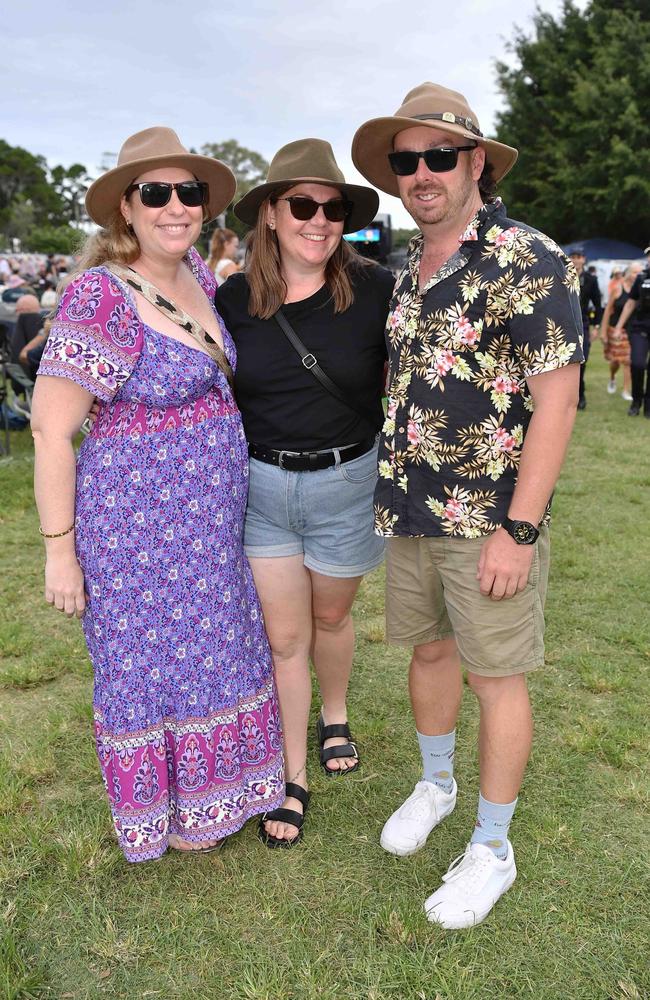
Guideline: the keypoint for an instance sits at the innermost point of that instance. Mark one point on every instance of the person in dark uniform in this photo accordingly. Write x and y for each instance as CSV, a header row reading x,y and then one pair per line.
x,y
590,302
637,311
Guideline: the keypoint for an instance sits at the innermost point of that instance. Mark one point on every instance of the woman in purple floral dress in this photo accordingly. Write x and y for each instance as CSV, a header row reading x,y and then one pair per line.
x,y
144,538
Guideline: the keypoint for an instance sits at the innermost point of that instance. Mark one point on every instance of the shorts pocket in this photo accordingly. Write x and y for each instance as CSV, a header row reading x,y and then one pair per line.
x,y
533,575
362,469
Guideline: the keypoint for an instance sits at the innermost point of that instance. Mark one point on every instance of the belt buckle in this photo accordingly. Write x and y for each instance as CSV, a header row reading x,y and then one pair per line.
x,y
309,361
281,454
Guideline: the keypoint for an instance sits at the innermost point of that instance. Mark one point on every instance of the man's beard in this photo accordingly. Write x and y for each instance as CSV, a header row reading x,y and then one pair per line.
x,y
447,207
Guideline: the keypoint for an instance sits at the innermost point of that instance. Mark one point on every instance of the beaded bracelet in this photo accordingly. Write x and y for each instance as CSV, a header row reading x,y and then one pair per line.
x,y
59,534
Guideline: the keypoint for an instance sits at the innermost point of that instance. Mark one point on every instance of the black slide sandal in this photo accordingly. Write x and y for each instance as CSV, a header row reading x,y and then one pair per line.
x,y
349,749
283,815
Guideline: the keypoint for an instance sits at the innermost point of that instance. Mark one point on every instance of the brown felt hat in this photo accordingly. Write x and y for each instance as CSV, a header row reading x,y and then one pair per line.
x,y
310,160
433,106
147,150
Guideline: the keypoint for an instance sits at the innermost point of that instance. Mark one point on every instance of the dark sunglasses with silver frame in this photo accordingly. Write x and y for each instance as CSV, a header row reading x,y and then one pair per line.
x,y
303,208
438,159
157,194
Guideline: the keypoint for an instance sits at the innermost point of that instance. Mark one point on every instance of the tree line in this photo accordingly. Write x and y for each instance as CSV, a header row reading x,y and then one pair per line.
x,y
577,95
39,205
43,207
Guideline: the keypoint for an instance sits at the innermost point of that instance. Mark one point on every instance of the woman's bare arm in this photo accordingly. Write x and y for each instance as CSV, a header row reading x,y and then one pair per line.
x,y
59,407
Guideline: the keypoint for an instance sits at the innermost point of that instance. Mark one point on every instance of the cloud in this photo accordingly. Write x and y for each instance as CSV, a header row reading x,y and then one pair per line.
x,y
83,78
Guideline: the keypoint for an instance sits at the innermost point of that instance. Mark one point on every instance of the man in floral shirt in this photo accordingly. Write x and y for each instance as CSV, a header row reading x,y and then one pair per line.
x,y
484,340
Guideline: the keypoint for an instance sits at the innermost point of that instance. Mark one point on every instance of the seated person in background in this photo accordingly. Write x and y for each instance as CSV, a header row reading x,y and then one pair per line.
x,y
31,354
48,296
28,323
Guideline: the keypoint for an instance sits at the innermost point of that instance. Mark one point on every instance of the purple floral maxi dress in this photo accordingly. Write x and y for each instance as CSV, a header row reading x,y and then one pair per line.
x,y
186,716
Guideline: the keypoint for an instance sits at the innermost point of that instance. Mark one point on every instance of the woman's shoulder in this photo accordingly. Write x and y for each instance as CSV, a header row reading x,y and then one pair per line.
x,y
93,293
201,272
234,292
373,279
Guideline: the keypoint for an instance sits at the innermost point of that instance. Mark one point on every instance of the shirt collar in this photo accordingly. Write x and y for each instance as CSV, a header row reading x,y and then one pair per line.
x,y
483,217
486,216
467,241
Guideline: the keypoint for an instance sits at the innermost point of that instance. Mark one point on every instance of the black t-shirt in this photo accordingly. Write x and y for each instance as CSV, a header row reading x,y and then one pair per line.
x,y
282,404
640,292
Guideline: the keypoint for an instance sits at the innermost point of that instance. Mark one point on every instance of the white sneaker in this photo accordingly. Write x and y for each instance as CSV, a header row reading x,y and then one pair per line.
x,y
406,831
627,396
471,887
611,386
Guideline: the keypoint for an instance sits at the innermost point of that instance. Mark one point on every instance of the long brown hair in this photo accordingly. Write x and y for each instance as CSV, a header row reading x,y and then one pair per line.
x,y
268,288
217,246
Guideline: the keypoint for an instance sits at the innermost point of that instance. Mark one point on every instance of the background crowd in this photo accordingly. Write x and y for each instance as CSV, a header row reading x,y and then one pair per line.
x,y
27,293
28,284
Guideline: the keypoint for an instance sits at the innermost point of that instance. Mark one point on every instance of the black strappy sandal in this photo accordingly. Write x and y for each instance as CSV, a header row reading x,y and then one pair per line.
x,y
348,749
283,815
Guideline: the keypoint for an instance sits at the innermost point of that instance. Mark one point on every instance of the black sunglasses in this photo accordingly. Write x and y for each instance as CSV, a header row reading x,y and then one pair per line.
x,y
156,194
439,160
304,208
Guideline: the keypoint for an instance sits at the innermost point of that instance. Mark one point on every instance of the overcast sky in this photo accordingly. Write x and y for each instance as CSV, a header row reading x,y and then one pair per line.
x,y
78,78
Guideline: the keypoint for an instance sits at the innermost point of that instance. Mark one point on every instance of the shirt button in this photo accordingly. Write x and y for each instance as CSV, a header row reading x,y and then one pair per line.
x,y
401,430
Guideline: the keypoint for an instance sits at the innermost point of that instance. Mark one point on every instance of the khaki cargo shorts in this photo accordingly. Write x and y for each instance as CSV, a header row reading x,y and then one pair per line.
x,y
432,593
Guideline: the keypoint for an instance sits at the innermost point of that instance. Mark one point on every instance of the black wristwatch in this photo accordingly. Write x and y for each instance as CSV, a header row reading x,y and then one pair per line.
x,y
523,532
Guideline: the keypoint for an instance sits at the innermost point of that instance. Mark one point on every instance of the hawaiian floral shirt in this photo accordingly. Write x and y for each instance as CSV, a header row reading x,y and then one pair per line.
x,y
504,307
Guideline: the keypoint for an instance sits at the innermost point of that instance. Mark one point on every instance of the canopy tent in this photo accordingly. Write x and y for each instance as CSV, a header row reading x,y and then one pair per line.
x,y
600,248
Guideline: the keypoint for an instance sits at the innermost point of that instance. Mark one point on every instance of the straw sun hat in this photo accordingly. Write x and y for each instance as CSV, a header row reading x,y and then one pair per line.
x,y
147,150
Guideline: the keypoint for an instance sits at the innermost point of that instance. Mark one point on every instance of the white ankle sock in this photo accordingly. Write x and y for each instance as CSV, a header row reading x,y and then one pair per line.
x,y
438,759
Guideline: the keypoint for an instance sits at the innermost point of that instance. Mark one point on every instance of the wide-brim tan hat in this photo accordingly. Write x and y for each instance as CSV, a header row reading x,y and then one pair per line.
x,y
147,150
310,161
433,106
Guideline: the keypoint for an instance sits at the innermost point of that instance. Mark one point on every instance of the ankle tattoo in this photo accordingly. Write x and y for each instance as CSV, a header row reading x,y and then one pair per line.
x,y
297,774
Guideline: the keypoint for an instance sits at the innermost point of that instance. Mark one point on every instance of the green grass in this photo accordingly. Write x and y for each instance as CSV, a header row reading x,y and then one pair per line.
x,y
337,918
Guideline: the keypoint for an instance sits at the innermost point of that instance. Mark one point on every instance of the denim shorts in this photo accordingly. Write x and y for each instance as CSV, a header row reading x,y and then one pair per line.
x,y
327,516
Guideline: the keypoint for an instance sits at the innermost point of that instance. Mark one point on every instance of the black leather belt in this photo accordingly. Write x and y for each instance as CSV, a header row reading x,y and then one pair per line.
x,y
309,461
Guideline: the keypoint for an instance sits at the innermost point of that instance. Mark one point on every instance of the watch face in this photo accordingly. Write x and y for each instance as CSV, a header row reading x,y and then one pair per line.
x,y
524,533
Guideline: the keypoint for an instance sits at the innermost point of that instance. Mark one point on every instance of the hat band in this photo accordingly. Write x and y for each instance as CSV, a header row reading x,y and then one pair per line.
x,y
451,119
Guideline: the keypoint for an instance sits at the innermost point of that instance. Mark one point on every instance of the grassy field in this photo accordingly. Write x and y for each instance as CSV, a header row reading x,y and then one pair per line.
x,y
337,918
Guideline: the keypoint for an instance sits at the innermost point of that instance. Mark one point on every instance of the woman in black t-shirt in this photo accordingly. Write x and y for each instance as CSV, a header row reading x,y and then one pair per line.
x,y
309,525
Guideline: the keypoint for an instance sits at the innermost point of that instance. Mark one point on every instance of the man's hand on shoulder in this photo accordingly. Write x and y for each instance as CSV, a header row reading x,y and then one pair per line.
x,y
503,566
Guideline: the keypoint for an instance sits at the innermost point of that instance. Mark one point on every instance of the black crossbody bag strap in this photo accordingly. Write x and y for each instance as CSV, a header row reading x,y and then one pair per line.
x,y
310,362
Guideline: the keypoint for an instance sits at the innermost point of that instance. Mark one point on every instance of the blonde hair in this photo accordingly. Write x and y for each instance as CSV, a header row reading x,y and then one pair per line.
x,y
115,242
268,288
218,246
